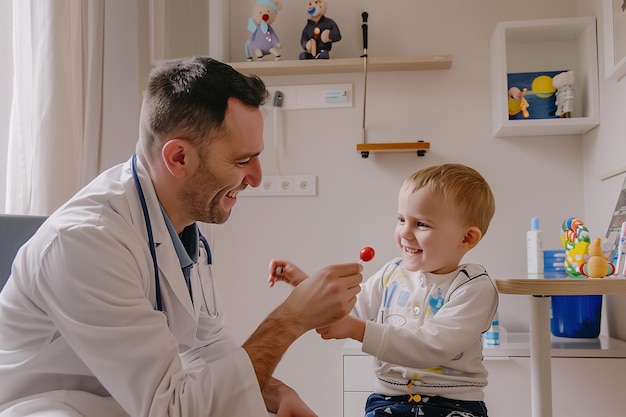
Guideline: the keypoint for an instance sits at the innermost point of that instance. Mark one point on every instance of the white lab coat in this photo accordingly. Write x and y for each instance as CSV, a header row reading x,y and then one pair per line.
x,y
79,332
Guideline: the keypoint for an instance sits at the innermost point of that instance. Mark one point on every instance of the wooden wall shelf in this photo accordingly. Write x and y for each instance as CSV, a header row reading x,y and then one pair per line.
x,y
419,147
342,65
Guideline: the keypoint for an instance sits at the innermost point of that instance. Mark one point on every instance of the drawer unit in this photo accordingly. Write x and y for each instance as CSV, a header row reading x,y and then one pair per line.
x,y
587,376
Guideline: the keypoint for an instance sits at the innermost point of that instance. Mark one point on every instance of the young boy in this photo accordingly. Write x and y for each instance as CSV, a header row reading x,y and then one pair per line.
x,y
422,314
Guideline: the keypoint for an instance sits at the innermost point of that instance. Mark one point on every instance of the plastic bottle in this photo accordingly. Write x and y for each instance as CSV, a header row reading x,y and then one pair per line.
x,y
534,249
492,336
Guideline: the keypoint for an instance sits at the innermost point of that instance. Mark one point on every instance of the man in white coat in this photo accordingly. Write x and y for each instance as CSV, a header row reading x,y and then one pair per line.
x,y
110,309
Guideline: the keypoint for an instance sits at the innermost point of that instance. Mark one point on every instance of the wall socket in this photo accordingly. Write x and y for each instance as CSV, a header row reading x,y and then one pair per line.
x,y
283,186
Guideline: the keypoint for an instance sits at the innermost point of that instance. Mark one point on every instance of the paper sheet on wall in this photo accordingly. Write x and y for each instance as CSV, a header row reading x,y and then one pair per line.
x,y
615,226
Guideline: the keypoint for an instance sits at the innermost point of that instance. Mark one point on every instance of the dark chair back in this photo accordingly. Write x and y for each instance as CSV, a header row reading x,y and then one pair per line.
x,y
15,230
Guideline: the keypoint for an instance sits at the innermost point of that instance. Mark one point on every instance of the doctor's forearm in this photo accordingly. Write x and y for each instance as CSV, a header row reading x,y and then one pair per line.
x,y
269,342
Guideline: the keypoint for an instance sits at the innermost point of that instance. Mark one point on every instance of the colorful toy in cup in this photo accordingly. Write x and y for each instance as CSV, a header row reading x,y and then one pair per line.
x,y
575,240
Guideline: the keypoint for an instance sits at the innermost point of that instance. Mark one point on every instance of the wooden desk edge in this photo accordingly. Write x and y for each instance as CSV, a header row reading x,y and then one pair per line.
x,y
567,286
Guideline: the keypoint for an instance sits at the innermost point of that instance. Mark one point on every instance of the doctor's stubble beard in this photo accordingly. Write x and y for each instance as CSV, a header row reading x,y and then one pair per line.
x,y
203,196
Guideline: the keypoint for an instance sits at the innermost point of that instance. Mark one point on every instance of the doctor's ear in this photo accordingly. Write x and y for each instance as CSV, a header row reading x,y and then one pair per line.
x,y
176,156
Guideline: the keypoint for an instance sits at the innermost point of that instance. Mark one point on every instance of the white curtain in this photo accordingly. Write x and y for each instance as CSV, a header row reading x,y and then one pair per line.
x,y
55,131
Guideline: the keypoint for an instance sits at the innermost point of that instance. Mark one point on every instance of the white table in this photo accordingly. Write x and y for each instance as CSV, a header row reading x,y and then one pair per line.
x,y
540,291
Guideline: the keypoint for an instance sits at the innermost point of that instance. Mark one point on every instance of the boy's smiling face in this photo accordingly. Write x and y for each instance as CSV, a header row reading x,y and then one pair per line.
x,y
430,233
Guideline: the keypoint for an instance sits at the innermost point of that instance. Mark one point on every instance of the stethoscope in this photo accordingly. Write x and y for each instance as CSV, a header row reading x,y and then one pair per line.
x,y
157,282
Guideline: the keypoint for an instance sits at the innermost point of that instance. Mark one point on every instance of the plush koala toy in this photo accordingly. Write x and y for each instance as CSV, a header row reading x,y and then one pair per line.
x,y
263,40
563,82
319,33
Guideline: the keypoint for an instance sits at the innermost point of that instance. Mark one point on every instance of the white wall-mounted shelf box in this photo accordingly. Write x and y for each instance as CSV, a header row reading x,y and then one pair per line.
x,y
546,45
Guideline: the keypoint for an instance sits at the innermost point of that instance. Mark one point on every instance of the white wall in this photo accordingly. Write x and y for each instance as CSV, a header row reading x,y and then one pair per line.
x,y
604,151
124,67
603,147
356,203
550,177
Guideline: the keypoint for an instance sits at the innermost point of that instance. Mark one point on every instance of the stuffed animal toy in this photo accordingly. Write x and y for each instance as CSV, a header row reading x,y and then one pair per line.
x,y
319,33
263,39
563,82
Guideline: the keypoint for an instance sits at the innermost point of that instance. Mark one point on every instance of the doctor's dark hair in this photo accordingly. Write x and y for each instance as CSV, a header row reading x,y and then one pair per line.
x,y
461,186
188,98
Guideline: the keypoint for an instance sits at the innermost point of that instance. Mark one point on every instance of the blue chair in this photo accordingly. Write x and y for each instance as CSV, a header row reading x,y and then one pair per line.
x,y
15,230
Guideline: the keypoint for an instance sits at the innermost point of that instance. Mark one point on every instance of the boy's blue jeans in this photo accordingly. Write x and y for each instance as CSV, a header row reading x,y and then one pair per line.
x,y
385,406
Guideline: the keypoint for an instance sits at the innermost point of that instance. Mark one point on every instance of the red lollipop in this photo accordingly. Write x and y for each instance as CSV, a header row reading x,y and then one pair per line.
x,y
367,254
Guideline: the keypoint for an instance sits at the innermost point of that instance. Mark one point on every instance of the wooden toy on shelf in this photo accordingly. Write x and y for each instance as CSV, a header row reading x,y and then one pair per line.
x,y
263,39
597,266
319,33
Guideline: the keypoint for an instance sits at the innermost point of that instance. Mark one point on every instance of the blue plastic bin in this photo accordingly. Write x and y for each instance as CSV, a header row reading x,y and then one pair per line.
x,y
575,316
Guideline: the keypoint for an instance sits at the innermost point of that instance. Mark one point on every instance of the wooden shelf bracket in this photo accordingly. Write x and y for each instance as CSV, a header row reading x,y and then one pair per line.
x,y
420,147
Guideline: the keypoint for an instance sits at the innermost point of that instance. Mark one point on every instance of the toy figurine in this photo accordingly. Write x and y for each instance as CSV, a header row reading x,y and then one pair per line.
x,y
518,102
263,39
597,266
524,105
563,82
319,33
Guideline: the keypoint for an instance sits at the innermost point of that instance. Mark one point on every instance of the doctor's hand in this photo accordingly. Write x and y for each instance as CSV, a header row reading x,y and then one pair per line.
x,y
281,270
284,401
318,301
325,296
293,406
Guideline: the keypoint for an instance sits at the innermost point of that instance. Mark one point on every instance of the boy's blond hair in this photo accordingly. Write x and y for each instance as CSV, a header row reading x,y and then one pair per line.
x,y
461,186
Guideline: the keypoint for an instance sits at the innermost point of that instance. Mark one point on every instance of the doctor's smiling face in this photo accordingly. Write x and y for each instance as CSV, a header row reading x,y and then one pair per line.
x,y
200,138
227,165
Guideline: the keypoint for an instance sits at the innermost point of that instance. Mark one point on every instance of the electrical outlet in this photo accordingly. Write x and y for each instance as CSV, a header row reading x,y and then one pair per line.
x,y
268,185
286,185
304,185
283,186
